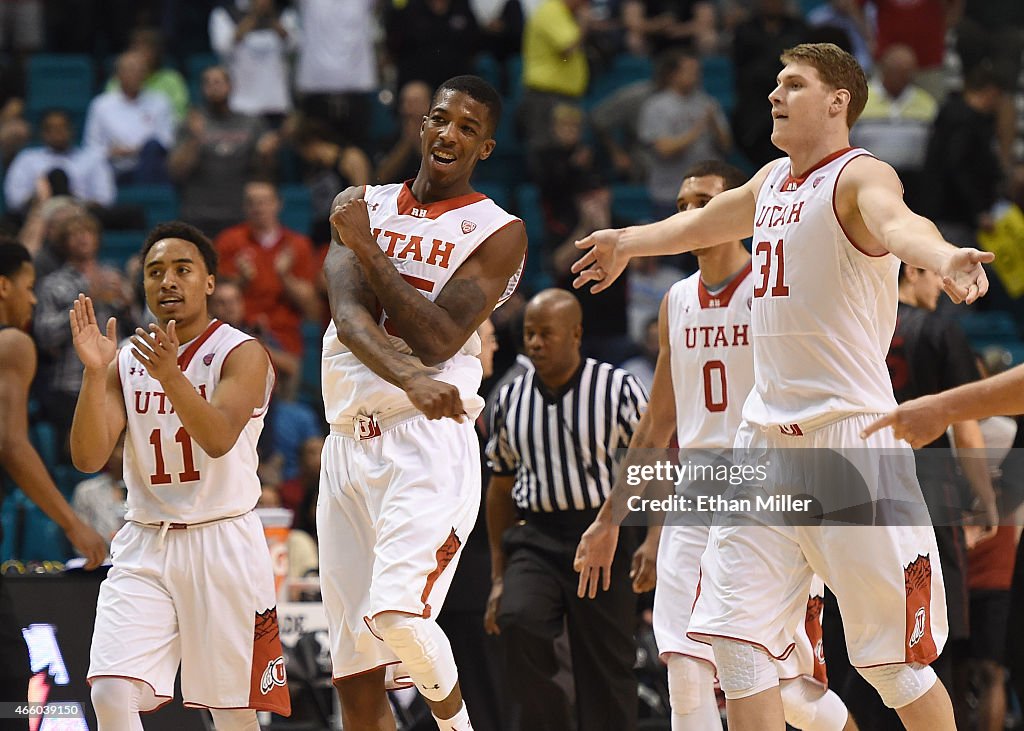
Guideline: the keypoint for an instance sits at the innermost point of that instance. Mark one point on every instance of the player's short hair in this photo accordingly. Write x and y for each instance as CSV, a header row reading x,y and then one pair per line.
x,y
13,256
837,68
479,90
185,232
732,176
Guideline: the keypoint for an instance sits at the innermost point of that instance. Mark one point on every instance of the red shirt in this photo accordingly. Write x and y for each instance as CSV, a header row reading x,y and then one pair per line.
x,y
920,24
266,303
990,563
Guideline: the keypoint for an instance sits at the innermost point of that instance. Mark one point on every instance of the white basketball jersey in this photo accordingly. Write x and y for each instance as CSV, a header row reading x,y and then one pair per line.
x,y
824,311
712,359
427,243
168,475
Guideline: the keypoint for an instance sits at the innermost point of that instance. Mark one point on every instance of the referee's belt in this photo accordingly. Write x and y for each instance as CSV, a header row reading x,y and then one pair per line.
x,y
370,426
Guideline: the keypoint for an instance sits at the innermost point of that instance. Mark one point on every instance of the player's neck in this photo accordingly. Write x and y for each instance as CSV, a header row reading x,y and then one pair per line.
x,y
802,160
187,330
722,263
426,191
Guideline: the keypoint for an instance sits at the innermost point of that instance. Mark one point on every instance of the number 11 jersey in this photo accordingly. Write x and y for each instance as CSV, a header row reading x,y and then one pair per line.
x,y
168,475
712,359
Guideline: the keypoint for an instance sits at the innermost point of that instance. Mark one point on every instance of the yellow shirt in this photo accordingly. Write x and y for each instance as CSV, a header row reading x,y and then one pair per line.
x,y
547,66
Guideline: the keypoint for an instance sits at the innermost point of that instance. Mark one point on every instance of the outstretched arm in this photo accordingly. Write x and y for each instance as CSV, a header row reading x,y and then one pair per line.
x,y
20,459
869,200
727,217
434,330
923,420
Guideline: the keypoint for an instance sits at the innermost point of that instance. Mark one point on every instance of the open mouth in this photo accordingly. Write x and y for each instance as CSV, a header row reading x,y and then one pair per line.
x,y
442,157
170,301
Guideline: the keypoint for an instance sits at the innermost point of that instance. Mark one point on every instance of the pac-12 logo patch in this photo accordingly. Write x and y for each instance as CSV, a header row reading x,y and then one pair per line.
x,y
817,181
468,227
274,674
207,359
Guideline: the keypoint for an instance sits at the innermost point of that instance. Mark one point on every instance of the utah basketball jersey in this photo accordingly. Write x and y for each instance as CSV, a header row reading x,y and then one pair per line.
x,y
168,475
427,243
823,310
712,359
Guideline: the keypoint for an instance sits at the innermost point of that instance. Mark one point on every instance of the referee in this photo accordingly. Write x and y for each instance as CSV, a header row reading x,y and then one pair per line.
x,y
554,434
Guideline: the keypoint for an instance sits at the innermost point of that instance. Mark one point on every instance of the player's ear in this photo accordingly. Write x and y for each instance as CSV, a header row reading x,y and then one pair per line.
x,y
5,285
840,101
487,148
211,284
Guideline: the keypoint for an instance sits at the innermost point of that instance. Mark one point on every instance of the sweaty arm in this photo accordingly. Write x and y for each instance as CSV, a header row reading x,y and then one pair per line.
x,y
434,330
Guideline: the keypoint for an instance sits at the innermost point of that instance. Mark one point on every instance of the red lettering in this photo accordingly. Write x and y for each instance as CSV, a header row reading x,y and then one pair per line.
x,y
794,213
777,220
394,237
762,216
710,402
413,249
691,337
139,407
439,253
739,333
763,250
720,339
706,329
162,408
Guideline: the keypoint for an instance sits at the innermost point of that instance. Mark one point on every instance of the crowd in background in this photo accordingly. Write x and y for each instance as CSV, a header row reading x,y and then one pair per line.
x,y
247,117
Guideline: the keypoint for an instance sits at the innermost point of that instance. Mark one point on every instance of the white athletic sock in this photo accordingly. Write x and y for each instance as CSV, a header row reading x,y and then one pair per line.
x,y
458,722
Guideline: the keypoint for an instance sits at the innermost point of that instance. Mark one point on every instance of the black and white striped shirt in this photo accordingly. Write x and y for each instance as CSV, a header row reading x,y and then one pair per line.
x,y
562,448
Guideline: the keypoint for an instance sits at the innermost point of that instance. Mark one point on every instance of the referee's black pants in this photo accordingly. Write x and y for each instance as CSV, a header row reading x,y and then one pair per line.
x,y
538,600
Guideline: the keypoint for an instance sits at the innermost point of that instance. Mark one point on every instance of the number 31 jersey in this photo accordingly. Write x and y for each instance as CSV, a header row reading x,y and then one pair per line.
x,y
168,475
712,359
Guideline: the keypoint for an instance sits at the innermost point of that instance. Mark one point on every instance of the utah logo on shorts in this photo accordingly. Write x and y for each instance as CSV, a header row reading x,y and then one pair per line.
x,y
920,645
273,675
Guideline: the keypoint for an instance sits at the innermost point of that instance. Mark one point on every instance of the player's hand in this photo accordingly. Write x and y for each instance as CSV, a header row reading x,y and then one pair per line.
x,y
94,349
603,261
87,542
594,557
436,399
963,276
157,350
644,571
919,422
352,222
493,604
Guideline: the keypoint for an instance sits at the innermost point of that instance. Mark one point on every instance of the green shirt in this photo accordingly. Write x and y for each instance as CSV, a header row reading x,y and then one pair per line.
x,y
548,64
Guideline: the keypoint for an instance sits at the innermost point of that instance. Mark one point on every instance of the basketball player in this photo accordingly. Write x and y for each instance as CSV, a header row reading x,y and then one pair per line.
x,y
416,267
192,581
698,392
828,223
19,459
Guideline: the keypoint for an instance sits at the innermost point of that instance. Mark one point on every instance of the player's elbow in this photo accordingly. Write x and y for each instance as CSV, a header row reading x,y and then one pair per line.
x,y
86,460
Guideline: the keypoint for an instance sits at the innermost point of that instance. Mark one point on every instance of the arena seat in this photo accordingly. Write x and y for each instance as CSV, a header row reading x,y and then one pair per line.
x,y
719,80
631,203
65,81
296,207
117,247
528,208
159,200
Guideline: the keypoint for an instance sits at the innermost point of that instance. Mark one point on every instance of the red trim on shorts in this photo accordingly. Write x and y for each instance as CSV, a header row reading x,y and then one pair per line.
x,y
168,698
267,656
185,359
445,554
407,202
835,212
919,642
783,656
336,678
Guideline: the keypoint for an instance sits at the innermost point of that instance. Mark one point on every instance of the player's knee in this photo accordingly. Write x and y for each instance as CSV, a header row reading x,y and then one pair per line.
x,y
743,670
424,649
690,683
114,698
900,685
241,719
809,708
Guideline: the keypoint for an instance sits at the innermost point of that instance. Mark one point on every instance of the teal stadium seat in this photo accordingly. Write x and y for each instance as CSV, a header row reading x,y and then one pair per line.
x,y
719,80
536,277
296,207
625,70
631,203
496,192
65,81
159,200
194,66
117,247
383,124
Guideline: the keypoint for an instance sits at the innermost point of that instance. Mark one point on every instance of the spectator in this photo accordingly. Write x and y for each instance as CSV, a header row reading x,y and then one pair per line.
x,y
655,26
159,78
78,239
303,553
431,40
756,47
274,265
57,163
683,125
43,220
555,66
650,278
641,365
296,489
217,151
848,17
131,126
563,166
897,120
962,170
336,69
540,499
615,120
21,26
331,164
501,27
922,25
101,501
253,40
401,158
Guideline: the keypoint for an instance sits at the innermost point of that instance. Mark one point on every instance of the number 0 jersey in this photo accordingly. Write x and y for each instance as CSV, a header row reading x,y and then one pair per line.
x,y
824,311
168,475
427,243
712,359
